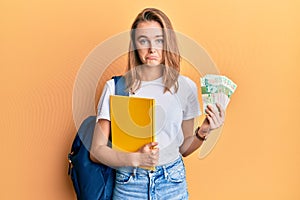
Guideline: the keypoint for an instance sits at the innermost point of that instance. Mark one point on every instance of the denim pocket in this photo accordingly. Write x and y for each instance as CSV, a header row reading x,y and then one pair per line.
x,y
123,177
177,173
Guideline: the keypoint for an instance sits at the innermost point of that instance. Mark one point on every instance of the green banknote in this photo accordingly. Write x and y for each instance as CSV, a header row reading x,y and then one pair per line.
x,y
216,89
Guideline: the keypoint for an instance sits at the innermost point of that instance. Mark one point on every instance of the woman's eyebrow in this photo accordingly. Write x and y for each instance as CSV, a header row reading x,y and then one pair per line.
x,y
141,36
144,36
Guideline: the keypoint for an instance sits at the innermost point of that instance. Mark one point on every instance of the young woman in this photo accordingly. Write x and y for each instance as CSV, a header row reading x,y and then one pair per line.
x,y
153,72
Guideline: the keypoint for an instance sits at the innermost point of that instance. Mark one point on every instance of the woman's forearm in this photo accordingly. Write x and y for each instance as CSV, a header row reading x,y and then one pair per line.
x,y
101,153
190,145
106,155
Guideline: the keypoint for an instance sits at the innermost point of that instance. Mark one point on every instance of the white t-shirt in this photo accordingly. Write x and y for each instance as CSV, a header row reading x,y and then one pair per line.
x,y
171,109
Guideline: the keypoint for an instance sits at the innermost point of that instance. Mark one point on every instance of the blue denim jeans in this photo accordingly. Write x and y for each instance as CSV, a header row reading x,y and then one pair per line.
x,y
167,182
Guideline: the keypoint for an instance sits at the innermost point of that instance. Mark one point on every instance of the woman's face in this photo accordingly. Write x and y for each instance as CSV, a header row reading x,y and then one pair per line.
x,y
149,42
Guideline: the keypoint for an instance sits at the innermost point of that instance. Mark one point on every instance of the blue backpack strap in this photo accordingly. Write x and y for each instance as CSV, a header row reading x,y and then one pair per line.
x,y
120,86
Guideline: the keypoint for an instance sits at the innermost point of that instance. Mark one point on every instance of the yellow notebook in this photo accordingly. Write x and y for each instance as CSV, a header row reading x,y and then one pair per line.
x,y
132,122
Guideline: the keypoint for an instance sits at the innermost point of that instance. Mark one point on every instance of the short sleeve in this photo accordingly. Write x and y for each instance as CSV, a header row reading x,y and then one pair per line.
x,y
191,107
103,108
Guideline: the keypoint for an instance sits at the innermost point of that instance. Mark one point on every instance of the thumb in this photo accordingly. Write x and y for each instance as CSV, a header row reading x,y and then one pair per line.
x,y
154,144
150,145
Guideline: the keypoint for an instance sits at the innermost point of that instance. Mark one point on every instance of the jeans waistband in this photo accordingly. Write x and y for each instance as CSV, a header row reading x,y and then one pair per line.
x,y
156,170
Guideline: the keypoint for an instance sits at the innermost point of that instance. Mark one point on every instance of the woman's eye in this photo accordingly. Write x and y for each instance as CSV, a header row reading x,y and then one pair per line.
x,y
160,41
143,42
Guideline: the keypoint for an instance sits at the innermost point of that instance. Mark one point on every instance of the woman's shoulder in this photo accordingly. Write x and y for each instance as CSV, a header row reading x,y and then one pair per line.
x,y
110,83
109,86
184,80
186,86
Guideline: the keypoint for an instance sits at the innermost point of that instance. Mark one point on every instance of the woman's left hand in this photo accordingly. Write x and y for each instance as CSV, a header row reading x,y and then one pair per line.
x,y
214,119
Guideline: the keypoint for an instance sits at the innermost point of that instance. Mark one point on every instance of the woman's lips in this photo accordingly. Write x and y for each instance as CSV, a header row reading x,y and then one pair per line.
x,y
151,58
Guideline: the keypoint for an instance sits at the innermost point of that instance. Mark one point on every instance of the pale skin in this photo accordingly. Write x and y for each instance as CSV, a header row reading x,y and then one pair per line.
x,y
149,42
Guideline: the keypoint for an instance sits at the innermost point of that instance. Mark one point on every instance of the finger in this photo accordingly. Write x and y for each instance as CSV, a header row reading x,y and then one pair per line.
x,y
154,144
150,161
213,112
217,113
208,108
153,162
153,159
213,116
211,108
217,118
211,122
150,145
155,151
219,107
221,110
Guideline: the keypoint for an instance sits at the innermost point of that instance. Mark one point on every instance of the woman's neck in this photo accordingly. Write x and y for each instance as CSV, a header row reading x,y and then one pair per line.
x,y
150,73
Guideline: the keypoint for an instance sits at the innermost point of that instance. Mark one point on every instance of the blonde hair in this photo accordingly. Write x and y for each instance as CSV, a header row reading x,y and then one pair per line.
x,y
171,54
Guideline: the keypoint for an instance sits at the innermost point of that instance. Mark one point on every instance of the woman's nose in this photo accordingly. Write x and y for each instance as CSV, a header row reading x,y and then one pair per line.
x,y
152,48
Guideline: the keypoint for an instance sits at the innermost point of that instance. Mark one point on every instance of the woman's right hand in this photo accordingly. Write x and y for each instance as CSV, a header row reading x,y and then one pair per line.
x,y
149,155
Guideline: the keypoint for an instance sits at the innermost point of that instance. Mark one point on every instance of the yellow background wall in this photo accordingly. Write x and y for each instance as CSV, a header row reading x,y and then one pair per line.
x,y
256,43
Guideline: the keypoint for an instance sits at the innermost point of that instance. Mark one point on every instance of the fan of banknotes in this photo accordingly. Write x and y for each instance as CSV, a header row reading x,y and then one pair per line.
x,y
215,89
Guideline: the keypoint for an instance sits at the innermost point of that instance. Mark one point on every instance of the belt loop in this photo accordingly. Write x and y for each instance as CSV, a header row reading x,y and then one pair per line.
x,y
165,172
134,171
